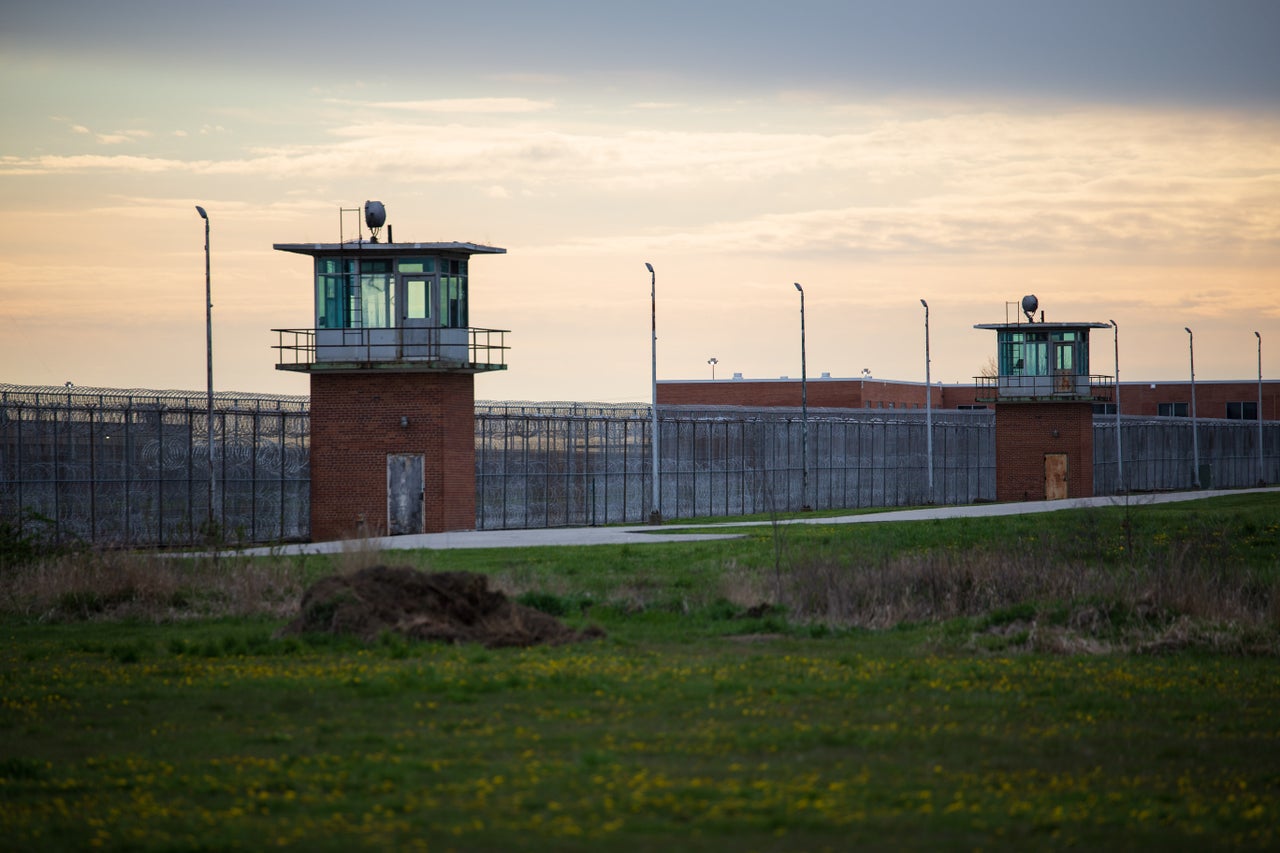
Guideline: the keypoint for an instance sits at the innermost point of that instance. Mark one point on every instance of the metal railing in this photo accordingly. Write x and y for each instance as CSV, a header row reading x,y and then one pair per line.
x,y
1057,386
432,347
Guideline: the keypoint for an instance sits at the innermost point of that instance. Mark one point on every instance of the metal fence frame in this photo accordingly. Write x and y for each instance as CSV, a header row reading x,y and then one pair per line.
x,y
556,465
127,467
131,467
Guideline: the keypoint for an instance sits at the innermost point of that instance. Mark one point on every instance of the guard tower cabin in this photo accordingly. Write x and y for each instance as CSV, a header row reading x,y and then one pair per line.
x,y
1043,397
392,359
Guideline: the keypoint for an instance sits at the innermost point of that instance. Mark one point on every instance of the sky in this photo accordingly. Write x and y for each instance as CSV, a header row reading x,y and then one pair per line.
x,y
1120,160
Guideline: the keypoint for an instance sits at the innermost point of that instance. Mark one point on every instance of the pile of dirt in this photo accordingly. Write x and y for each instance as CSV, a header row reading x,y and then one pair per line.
x,y
451,607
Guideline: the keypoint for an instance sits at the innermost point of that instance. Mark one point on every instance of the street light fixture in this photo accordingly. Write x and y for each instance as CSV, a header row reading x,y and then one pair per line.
x,y
928,400
208,335
1195,439
804,413
713,361
655,514
1119,456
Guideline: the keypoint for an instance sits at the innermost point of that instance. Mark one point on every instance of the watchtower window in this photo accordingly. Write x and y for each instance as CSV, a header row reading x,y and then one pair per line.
x,y
424,265
334,282
377,301
417,294
1024,353
453,297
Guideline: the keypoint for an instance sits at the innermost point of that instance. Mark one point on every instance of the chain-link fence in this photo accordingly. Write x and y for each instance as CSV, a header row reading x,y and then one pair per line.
x,y
1159,454
133,467
573,464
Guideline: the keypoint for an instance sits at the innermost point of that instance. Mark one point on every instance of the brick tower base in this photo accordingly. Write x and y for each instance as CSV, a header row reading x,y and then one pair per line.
x,y
1027,434
358,420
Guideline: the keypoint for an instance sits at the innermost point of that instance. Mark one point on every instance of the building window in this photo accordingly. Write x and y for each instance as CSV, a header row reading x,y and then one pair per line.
x,y
1172,410
1104,408
1243,411
377,301
453,307
418,299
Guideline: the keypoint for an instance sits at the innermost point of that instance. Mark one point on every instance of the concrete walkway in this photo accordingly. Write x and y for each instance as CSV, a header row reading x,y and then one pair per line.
x,y
560,536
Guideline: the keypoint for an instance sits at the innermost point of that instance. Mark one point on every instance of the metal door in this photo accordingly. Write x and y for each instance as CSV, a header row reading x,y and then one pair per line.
x,y
420,319
1055,476
404,493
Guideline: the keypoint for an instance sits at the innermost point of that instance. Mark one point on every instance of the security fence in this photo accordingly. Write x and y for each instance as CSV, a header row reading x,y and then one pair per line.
x,y
1159,454
119,467
567,464
132,467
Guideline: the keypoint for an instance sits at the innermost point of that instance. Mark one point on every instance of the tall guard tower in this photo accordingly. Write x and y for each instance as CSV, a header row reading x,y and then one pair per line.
x,y
392,359
1043,396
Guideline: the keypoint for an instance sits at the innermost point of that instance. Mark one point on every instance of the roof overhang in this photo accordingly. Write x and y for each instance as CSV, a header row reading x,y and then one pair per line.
x,y
1037,327
386,250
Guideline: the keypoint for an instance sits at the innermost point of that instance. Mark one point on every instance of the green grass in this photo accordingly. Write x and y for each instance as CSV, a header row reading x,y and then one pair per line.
x,y
698,723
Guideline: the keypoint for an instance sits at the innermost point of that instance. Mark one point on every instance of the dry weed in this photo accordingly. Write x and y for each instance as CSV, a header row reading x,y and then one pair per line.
x,y
1075,607
121,585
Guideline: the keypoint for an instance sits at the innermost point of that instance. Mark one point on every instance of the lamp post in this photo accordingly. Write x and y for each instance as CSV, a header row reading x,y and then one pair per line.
x,y
1119,456
208,336
804,413
928,400
655,514
713,361
1262,472
1195,439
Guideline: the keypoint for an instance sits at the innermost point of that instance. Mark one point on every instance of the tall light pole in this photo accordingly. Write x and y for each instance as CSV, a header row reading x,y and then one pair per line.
x,y
1119,455
208,337
804,413
1262,471
928,400
713,361
1195,439
655,514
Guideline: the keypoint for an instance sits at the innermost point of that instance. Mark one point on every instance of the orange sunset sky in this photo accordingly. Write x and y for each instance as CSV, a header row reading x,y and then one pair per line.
x,y
1120,160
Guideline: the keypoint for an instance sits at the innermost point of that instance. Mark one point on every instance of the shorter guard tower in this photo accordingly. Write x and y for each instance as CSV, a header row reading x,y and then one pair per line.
x,y
392,359
1043,396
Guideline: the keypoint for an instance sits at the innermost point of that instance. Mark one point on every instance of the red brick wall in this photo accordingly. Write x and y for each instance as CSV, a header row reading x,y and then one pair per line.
x,y
1136,398
1142,398
355,425
822,393
1025,432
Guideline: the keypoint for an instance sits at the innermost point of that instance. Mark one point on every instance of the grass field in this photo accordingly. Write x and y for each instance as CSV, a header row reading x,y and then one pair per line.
x,y
1102,678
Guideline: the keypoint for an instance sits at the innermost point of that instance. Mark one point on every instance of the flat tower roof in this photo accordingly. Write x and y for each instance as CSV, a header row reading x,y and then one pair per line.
x,y
387,249
1037,326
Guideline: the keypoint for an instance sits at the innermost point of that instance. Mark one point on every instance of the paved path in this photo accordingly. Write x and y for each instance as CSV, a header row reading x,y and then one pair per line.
x,y
559,536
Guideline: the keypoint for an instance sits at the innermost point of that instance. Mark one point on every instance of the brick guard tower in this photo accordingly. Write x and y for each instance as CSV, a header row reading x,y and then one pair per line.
x,y
392,360
1043,397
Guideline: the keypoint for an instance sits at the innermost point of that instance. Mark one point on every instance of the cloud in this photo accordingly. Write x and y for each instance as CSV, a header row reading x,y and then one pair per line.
x,y
936,179
467,105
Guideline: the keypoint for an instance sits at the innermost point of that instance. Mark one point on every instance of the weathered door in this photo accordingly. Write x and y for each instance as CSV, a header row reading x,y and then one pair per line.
x,y
1055,476
420,320
404,493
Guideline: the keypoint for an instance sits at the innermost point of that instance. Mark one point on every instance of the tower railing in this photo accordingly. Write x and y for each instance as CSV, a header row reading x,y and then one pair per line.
x,y
1061,387
396,347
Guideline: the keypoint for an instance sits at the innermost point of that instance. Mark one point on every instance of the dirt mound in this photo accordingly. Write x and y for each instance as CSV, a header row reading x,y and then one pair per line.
x,y
452,607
